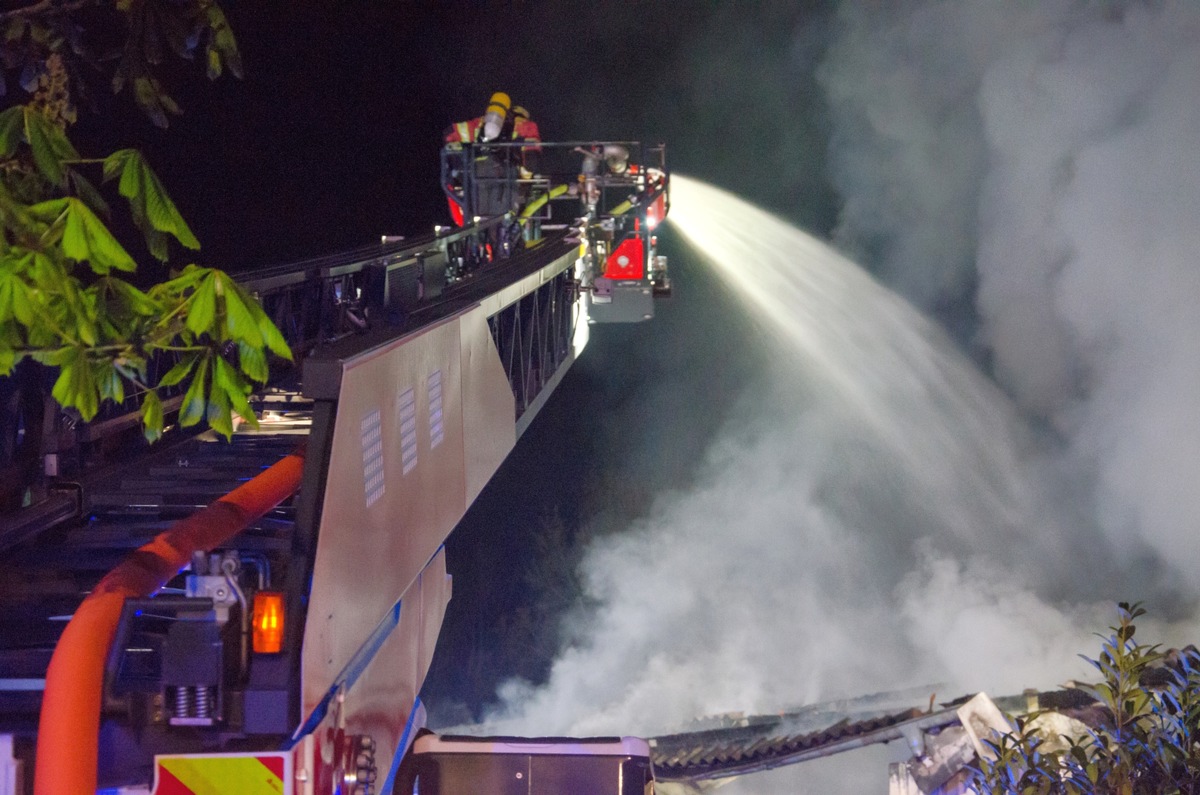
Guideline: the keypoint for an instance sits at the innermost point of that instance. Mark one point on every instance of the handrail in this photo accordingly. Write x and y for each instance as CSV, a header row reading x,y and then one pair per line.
x,y
69,726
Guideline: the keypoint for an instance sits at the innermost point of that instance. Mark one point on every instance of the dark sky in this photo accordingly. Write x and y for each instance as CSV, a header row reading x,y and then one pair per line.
x,y
332,136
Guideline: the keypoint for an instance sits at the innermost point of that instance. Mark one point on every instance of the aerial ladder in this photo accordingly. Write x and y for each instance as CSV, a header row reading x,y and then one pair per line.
x,y
277,640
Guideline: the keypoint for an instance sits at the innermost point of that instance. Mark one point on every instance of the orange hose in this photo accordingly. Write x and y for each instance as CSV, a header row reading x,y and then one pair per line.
x,y
69,728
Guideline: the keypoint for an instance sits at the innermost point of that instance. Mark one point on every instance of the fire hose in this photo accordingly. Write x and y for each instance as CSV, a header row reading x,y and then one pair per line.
x,y
69,726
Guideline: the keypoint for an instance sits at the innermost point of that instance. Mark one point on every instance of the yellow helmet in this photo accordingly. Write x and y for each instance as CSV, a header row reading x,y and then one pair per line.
x,y
520,112
499,103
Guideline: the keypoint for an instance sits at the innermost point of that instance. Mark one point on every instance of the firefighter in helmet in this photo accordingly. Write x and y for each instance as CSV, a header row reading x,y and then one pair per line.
x,y
525,130
484,166
481,129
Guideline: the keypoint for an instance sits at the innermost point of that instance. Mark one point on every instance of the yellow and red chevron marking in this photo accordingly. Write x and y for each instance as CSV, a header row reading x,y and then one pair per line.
x,y
223,774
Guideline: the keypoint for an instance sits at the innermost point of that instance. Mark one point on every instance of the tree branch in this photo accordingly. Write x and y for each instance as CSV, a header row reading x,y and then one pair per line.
x,y
46,7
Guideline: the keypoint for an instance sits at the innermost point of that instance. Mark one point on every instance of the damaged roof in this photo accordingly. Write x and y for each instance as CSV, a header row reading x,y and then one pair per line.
x,y
765,742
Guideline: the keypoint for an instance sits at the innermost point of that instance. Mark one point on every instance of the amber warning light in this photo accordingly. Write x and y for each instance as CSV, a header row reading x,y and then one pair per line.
x,y
268,622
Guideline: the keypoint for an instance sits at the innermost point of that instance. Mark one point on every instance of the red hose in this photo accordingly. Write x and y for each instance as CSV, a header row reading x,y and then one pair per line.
x,y
69,728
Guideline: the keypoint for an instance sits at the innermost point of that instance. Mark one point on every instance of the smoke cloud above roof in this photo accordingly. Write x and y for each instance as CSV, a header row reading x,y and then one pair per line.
x,y
882,510
1041,160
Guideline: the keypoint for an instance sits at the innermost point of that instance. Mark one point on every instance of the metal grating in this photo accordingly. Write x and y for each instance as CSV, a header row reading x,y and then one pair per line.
x,y
433,387
372,453
406,415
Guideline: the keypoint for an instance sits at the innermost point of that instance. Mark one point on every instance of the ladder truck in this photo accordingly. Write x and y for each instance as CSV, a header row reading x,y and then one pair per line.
x,y
277,640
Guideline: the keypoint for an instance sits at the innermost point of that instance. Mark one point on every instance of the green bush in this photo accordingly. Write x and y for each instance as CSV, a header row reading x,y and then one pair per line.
x,y
1146,742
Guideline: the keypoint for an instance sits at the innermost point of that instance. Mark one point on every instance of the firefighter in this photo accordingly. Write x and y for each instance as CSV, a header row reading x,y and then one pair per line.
x,y
525,130
483,128
490,195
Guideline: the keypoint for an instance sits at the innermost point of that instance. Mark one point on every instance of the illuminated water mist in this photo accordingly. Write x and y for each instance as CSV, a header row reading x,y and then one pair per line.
x,y
866,523
869,361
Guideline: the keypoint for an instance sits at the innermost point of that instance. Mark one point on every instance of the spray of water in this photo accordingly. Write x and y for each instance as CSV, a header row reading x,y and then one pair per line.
x,y
866,524
878,372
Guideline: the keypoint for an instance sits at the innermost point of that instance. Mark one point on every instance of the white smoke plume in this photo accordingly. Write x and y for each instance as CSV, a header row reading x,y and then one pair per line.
x,y
882,517
1050,154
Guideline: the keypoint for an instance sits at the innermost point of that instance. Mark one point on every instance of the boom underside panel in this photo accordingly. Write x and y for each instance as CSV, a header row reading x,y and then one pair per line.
x,y
421,425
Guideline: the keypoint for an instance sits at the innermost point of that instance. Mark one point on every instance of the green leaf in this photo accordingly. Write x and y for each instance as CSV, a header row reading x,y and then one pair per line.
x,y
49,211
167,102
270,333
14,296
238,318
149,98
179,371
186,279
64,386
220,417
222,45
131,366
11,129
49,145
253,362
153,210
45,298
152,416
88,193
112,386
10,338
85,327
114,165
202,309
158,244
76,387
55,357
87,239
225,376
274,339
132,298
43,270
195,399
236,388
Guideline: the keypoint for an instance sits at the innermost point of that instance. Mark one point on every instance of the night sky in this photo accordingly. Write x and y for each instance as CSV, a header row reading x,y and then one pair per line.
x,y
332,136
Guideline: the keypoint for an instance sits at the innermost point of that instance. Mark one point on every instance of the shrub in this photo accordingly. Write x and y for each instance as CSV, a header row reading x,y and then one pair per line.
x,y
1146,742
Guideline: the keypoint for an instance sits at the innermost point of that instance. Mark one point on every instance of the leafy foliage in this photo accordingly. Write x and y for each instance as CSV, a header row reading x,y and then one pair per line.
x,y
62,304
65,300
46,47
1147,746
